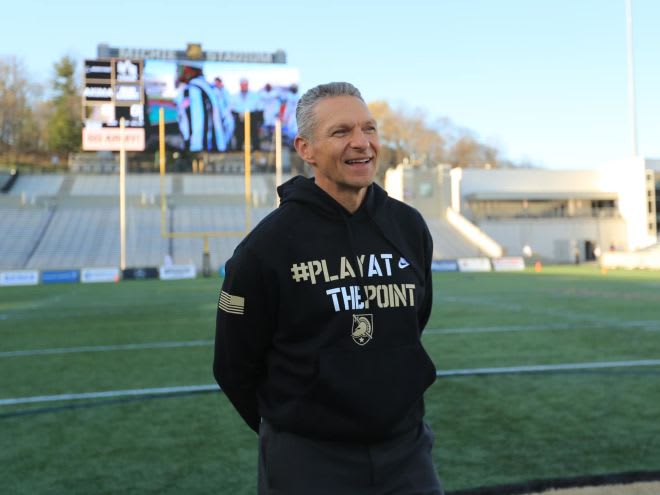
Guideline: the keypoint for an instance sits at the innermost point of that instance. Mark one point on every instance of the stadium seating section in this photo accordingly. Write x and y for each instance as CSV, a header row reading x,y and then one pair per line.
x,y
72,221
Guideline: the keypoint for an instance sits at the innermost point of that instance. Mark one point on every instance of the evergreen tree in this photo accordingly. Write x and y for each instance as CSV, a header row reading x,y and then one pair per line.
x,y
65,123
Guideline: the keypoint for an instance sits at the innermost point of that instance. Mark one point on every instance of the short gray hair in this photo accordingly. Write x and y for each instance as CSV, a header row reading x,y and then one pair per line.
x,y
308,101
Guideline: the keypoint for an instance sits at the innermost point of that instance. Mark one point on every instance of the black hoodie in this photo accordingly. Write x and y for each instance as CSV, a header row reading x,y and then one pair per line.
x,y
320,316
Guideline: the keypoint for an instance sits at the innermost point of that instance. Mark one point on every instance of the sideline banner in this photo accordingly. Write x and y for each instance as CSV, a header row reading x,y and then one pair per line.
x,y
474,264
19,277
509,264
444,266
141,273
60,276
95,275
177,272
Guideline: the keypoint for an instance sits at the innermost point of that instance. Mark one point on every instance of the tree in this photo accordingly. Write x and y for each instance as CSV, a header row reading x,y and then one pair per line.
x,y
406,134
467,151
65,123
19,127
409,135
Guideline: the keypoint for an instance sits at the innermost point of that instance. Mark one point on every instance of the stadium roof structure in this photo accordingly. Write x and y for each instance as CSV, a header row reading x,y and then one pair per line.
x,y
540,195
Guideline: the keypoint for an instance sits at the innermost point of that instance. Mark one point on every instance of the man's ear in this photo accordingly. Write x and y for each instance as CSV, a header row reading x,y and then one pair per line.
x,y
304,149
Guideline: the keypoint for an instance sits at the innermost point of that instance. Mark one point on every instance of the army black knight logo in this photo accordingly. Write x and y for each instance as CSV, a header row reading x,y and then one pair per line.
x,y
363,328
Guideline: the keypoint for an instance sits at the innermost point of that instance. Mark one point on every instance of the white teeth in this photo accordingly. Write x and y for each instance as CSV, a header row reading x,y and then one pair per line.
x,y
363,160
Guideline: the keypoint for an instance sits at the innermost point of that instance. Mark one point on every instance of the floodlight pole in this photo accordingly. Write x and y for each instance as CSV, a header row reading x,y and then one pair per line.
x,y
278,156
248,159
122,195
631,79
161,157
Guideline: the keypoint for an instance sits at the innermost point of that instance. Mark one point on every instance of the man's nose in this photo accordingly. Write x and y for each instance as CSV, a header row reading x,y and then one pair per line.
x,y
359,140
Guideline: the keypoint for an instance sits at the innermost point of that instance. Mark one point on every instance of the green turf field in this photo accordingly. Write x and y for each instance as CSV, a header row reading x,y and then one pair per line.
x,y
491,428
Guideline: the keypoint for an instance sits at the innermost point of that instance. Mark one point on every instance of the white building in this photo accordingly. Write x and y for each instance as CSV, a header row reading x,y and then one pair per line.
x,y
559,215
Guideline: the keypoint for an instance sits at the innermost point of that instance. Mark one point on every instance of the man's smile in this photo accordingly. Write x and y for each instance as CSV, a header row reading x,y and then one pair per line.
x,y
359,161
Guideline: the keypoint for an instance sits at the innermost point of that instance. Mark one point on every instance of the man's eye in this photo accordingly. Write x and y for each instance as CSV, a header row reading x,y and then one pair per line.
x,y
339,133
370,129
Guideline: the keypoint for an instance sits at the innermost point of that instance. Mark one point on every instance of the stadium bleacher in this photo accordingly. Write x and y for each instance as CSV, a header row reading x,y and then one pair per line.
x,y
447,243
37,185
72,221
7,180
75,237
20,229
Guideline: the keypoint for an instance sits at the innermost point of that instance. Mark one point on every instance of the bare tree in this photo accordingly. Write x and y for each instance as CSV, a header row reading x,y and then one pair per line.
x,y
406,134
19,102
467,151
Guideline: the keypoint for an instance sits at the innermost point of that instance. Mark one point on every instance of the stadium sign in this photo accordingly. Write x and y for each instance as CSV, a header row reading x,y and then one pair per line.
x,y
108,139
141,273
113,89
474,265
444,266
60,276
177,272
19,277
199,95
192,52
509,264
96,275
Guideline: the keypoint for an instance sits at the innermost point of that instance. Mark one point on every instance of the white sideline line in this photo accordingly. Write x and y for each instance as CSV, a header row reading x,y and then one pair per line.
x,y
211,387
108,394
642,325
550,367
103,348
649,325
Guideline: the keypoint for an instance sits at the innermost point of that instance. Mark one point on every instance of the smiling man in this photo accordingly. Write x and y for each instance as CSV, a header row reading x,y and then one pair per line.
x,y
320,317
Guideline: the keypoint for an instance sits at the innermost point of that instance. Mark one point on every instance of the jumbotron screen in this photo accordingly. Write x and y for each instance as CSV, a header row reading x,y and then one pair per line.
x,y
204,104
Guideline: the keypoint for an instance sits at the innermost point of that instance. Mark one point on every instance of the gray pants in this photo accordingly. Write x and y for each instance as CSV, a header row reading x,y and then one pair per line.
x,y
293,465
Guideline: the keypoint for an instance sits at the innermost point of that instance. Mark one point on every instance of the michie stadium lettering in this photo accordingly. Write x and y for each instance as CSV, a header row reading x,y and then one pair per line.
x,y
352,297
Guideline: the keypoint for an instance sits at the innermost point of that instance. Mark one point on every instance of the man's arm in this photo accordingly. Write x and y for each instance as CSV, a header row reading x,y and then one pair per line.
x,y
242,335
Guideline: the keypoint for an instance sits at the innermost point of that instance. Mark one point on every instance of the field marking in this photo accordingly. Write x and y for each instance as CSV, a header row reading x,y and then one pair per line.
x,y
439,373
105,348
109,394
549,367
650,325
504,304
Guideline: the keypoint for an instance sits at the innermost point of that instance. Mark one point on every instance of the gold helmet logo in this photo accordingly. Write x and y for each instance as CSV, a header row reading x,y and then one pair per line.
x,y
363,328
194,51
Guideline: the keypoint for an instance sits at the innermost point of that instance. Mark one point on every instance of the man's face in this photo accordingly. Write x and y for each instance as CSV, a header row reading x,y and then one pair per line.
x,y
344,146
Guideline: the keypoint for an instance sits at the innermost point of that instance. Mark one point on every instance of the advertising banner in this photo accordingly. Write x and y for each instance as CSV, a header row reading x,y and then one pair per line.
x,y
444,266
109,139
60,276
141,273
474,265
177,272
95,275
509,264
19,277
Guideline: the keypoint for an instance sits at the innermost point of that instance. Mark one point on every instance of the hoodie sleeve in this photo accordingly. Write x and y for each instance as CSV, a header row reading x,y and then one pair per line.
x,y
242,334
427,303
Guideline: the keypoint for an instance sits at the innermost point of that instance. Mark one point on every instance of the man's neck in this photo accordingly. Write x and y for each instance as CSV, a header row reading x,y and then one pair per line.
x,y
350,198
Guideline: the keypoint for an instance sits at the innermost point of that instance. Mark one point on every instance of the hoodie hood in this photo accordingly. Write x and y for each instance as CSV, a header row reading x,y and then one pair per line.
x,y
304,190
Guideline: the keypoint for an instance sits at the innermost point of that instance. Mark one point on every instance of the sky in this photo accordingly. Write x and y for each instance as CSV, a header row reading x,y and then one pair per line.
x,y
545,81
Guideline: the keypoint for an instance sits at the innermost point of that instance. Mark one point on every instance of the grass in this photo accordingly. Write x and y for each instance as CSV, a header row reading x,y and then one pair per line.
x,y
490,429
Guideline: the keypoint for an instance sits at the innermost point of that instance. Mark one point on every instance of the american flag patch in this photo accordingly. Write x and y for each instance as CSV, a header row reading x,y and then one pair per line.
x,y
231,304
